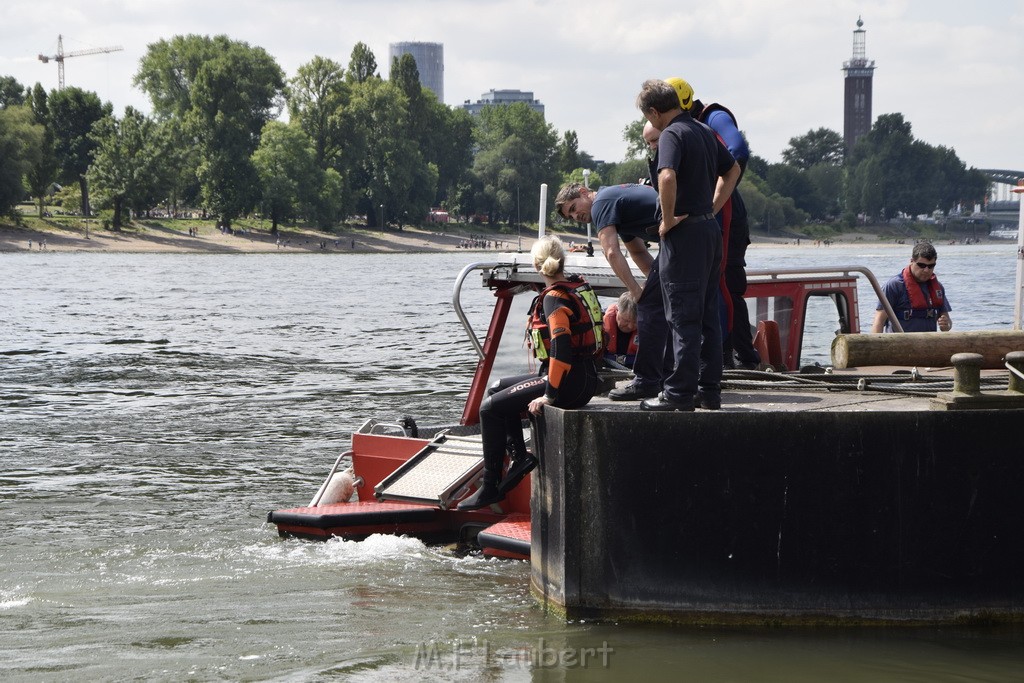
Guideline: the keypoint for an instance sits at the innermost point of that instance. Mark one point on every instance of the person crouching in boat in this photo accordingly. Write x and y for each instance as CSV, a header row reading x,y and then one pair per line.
x,y
565,332
620,332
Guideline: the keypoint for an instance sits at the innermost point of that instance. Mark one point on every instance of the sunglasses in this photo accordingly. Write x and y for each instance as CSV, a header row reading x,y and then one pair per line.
x,y
924,265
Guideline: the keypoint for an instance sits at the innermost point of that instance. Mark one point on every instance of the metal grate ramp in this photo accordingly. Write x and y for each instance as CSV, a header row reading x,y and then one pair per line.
x,y
437,473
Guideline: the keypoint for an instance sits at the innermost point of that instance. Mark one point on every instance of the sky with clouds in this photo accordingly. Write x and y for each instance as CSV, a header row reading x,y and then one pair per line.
x,y
953,69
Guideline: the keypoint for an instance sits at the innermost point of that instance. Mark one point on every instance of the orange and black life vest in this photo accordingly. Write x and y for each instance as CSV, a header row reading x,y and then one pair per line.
x,y
585,320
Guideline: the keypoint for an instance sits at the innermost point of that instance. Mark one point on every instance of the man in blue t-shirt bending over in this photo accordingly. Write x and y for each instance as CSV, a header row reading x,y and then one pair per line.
x,y
633,213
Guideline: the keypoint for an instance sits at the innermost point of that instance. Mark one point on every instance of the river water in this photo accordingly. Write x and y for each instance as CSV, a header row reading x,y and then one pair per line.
x,y
153,408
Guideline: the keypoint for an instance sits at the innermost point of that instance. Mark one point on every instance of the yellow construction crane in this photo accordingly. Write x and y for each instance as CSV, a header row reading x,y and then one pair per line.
x,y
61,56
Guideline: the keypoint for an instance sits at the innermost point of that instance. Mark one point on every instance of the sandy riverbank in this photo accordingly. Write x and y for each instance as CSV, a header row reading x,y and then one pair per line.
x,y
159,238
162,239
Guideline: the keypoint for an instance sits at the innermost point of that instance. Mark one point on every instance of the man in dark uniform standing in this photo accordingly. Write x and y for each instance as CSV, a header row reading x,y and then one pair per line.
x,y
696,175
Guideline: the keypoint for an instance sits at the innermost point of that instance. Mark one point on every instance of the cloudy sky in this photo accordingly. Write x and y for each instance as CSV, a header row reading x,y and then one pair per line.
x,y
955,70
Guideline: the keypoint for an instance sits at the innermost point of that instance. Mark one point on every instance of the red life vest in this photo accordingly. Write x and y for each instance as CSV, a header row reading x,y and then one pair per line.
x,y
923,305
585,322
611,333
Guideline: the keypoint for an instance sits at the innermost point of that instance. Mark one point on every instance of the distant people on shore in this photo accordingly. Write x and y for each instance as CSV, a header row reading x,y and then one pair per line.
x,y
916,296
480,242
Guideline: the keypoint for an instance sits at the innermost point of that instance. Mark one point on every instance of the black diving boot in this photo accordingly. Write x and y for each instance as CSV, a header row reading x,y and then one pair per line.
x,y
522,464
487,494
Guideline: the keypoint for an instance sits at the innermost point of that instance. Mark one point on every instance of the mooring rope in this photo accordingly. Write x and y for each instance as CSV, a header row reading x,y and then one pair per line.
x,y
911,383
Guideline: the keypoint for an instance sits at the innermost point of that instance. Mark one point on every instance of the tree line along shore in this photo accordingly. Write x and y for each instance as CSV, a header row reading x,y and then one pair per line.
x,y
68,233
356,143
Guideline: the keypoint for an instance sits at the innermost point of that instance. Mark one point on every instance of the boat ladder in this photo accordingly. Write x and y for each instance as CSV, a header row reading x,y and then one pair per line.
x,y
439,474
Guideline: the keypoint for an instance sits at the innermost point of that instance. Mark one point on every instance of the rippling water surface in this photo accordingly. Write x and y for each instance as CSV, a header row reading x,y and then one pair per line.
x,y
153,408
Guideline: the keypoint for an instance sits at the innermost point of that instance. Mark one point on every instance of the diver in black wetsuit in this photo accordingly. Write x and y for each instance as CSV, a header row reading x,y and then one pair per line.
x,y
563,327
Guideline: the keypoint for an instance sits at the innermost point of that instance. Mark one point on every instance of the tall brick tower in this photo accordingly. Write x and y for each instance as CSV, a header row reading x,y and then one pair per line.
x,y
857,103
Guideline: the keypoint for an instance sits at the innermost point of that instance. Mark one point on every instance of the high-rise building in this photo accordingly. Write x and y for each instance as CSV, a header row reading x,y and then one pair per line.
x,y
857,103
499,97
429,61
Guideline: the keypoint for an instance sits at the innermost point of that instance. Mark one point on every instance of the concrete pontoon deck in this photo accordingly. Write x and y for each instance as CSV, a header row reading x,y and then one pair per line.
x,y
788,506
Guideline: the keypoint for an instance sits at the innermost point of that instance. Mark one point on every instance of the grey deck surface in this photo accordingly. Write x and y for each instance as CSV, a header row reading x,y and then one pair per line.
x,y
748,391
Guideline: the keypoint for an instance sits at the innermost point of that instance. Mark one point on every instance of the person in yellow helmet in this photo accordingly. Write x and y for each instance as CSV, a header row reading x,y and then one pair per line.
x,y
683,91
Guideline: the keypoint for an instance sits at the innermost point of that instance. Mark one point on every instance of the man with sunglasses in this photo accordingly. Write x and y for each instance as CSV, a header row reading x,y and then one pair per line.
x,y
916,296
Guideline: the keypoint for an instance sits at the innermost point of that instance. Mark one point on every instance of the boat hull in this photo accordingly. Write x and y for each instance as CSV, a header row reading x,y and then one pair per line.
x,y
501,531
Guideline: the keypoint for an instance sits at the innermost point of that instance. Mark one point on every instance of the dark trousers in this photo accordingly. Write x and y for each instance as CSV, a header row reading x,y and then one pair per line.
x,y
501,411
739,340
650,367
689,272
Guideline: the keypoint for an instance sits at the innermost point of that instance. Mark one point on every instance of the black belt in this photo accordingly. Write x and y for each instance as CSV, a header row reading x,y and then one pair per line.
x,y
697,219
689,220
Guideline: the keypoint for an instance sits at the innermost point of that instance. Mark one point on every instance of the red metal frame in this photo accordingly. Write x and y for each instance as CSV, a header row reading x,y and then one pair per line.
x,y
798,291
471,412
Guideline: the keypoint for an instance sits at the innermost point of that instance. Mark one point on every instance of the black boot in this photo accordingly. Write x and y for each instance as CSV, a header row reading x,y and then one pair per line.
x,y
487,494
517,471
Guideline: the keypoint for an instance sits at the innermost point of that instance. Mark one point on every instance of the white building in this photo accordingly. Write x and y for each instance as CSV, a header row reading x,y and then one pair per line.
x,y
498,97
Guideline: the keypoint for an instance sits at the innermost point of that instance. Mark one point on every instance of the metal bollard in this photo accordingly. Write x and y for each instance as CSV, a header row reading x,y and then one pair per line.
x,y
1015,359
967,373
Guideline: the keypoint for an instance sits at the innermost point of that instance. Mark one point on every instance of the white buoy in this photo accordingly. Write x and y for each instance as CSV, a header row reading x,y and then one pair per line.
x,y
340,488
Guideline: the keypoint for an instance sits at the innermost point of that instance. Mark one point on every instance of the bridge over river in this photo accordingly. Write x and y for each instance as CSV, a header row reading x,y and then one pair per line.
x,y
1003,207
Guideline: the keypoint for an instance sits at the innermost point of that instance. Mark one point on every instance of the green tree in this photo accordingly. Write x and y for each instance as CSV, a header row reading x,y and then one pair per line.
x,y
168,71
319,102
569,153
633,136
12,93
290,177
21,139
628,171
317,98
178,163
124,171
443,135
789,181
890,172
223,92
758,165
449,146
956,183
827,181
406,75
766,208
42,174
594,180
821,146
362,65
391,177
72,113
516,154
233,96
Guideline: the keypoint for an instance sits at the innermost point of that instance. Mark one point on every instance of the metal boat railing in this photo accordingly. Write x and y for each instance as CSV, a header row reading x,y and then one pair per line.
x,y
602,278
845,270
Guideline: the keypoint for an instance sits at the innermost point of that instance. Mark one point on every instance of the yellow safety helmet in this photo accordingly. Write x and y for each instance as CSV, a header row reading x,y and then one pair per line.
x,y
683,91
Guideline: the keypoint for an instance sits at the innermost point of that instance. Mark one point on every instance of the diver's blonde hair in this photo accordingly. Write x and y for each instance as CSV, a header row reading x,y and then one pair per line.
x,y
548,255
